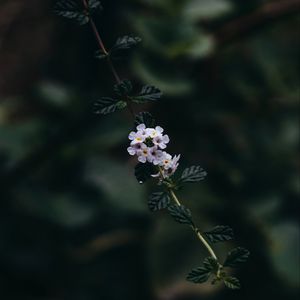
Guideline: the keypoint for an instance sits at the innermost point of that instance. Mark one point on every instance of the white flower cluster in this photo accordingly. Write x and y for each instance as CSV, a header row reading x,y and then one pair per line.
x,y
148,145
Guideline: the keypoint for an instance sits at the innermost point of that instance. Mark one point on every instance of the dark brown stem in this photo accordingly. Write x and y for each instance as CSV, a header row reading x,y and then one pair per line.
x,y
103,49
98,38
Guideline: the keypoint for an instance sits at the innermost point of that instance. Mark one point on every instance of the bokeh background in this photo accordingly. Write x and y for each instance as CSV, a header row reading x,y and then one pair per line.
x,y
74,223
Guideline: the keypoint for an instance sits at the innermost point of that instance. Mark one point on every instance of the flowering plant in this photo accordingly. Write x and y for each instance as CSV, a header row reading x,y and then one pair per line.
x,y
148,143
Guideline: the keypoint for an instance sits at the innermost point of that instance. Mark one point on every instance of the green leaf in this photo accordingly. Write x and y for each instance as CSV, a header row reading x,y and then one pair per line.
x,y
192,174
108,105
211,264
94,5
236,257
201,274
123,88
144,118
71,10
232,282
125,43
99,54
144,171
198,275
158,201
181,214
219,234
148,93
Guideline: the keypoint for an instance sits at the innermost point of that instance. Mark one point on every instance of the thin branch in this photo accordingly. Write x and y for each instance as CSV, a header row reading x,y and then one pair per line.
x,y
108,59
199,235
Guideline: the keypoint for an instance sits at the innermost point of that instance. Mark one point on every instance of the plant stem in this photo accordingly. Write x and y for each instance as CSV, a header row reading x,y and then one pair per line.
x,y
118,80
199,235
108,59
103,49
174,197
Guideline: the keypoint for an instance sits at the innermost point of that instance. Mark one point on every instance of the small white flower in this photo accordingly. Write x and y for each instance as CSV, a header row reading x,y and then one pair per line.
x,y
142,130
155,155
174,165
155,132
161,141
169,164
143,154
134,149
166,160
136,138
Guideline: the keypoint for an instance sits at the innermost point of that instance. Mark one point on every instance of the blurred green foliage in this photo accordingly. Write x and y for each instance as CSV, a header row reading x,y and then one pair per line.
x,y
74,222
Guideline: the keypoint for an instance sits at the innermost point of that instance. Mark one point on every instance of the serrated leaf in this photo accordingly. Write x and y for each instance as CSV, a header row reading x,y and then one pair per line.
x,y
144,118
219,234
236,257
108,105
144,171
123,88
71,10
232,282
158,201
210,264
126,42
99,54
181,214
148,93
192,174
198,275
121,104
94,5
123,45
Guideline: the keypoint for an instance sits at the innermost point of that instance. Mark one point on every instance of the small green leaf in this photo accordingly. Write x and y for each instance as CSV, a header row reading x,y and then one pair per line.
x,y
99,54
211,264
198,275
236,257
144,118
126,42
144,171
121,104
123,88
181,214
158,201
219,234
108,105
94,5
192,174
232,282
148,93
71,10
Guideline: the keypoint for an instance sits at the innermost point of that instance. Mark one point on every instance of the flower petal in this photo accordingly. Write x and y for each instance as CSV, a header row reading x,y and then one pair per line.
x,y
131,150
141,127
132,135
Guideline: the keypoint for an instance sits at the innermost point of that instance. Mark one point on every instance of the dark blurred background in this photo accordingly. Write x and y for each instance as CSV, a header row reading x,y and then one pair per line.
x,y
74,223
